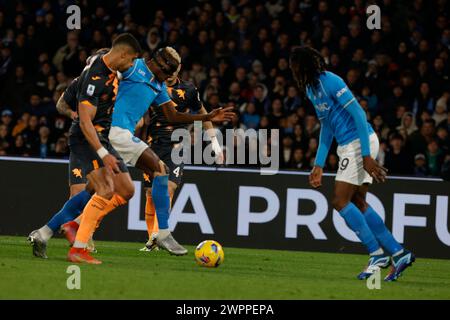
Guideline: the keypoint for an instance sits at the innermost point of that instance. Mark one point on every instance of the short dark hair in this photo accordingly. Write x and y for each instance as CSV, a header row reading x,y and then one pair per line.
x,y
127,39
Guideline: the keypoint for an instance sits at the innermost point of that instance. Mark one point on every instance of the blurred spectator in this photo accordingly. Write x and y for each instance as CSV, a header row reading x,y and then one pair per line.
x,y
250,118
435,158
236,53
19,148
7,118
420,166
298,160
418,141
397,159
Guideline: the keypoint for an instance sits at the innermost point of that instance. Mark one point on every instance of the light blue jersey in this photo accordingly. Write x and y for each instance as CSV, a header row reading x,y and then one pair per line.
x,y
340,115
138,89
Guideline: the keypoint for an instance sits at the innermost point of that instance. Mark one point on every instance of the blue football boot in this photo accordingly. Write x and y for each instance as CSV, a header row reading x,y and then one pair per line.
x,y
375,263
399,264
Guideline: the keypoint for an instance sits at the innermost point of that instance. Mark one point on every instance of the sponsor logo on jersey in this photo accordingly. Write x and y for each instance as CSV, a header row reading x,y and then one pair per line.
x,y
141,72
341,92
90,90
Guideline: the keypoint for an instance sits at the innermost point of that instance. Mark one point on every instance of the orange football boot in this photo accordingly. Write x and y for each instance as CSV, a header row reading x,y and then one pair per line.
x,y
81,255
70,231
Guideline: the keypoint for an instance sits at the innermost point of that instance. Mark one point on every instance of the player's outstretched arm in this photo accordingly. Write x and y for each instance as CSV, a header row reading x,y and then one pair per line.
x,y
370,165
211,132
217,115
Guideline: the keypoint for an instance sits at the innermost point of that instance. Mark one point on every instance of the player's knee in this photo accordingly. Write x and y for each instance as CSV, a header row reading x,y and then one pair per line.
x,y
172,188
360,203
127,191
163,168
339,203
90,189
105,192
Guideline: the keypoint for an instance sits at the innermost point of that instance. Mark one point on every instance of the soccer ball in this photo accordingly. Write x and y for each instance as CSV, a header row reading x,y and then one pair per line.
x,y
209,253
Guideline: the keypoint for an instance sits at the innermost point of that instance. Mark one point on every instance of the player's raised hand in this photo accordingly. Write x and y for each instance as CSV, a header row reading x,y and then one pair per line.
x,y
375,170
222,114
315,177
111,162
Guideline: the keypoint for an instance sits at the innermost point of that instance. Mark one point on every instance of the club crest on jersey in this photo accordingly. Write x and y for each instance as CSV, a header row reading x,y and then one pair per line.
x,y
136,139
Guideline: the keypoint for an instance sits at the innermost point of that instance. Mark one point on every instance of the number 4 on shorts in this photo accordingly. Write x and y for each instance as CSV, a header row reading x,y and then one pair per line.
x,y
176,171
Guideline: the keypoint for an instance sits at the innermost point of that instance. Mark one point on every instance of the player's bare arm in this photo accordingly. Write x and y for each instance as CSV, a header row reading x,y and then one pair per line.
x,y
64,109
217,115
86,114
210,130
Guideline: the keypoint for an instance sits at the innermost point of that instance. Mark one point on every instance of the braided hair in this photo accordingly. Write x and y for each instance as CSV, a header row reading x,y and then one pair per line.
x,y
306,64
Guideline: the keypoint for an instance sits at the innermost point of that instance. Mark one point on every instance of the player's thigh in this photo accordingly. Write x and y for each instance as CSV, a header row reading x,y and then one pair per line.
x,y
123,185
175,170
129,147
79,167
149,162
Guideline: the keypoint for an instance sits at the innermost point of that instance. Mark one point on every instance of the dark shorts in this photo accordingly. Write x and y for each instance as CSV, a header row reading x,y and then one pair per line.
x,y
83,159
163,151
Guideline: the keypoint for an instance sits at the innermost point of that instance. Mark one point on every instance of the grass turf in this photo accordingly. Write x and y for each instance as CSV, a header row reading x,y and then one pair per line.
x,y
127,273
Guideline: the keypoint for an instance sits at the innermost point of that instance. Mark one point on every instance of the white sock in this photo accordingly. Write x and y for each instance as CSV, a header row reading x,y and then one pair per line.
x,y
162,233
78,244
398,253
46,233
377,253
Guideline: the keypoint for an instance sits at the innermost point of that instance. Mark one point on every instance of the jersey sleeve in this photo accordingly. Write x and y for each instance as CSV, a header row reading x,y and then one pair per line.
x,y
325,140
342,94
162,97
91,89
338,90
70,94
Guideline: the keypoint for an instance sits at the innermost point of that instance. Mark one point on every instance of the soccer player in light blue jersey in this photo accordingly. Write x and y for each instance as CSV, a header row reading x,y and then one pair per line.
x,y
341,117
140,86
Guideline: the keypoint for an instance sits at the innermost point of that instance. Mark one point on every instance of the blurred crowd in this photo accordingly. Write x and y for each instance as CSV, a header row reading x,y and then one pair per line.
x,y
236,52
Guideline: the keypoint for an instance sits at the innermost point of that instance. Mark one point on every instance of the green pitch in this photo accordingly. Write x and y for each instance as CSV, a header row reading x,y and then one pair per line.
x,y
127,273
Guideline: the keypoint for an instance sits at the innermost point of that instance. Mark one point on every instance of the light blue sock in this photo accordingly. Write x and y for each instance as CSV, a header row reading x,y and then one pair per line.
x,y
161,200
355,220
71,209
384,237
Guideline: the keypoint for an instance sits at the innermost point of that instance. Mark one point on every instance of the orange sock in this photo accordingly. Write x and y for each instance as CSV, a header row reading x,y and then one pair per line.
x,y
150,217
95,210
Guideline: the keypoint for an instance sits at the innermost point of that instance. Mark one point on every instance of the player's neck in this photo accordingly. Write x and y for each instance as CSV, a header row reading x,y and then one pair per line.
x,y
108,60
172,83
